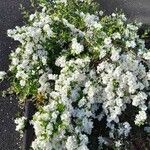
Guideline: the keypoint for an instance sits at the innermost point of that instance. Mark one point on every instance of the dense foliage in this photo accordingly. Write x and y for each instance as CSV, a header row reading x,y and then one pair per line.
x,y
89,75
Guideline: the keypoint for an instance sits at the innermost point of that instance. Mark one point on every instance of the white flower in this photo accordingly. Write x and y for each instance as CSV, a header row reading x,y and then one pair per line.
x,y
22,83
15,61
119,102
115,55
97,25
62,1
48,30
20,122
123,17
29,48
147,55
131,44
127,128
148,75
101,66
2,75
82,102
65,117
43,79
54,115
116,36
83,147
117,72
113,14
132,27
102,140
52,76
102,53
107,41
18,50
140,118
60,61
101,13
32,16
139,99
44,60
124,129
118,143
77,48
92,21
83,139
71,143
87,125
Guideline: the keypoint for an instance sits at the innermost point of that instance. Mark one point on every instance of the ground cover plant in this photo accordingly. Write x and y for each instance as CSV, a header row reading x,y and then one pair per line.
x,y
88,74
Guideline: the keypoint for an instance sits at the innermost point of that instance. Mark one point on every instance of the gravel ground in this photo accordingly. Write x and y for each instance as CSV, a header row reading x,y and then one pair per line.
x,y
10,16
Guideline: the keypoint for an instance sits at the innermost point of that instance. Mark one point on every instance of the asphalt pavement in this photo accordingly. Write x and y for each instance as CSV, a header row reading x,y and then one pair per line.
x,y
134,9
10,16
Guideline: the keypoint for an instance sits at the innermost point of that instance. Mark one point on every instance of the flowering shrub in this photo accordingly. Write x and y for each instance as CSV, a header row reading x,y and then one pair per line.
x,y
20,124
91,72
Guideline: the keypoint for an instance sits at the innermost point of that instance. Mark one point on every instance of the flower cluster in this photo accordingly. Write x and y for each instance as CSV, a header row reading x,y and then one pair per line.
x,y
2,75
20,124
92,71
